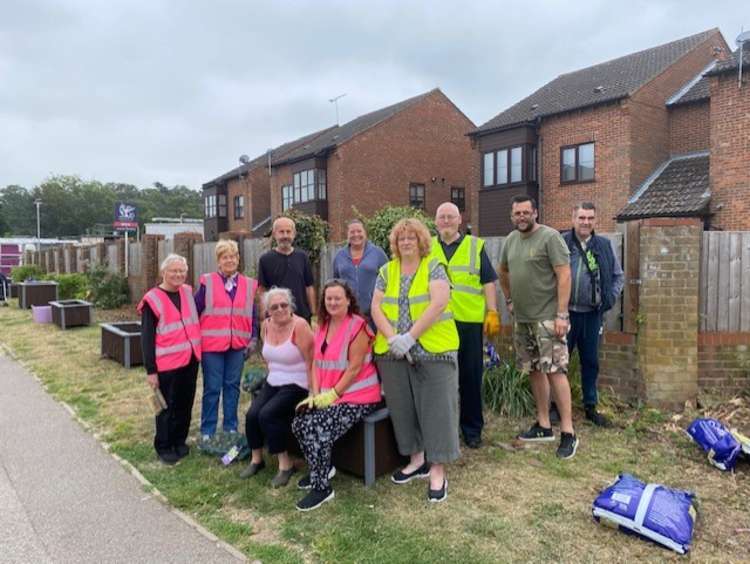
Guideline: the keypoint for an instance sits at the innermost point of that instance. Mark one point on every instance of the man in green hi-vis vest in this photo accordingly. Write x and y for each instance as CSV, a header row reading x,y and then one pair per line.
x,y
474,305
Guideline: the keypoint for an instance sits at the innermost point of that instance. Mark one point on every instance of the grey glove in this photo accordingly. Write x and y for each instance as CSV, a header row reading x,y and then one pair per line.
x,y
401,345
391,341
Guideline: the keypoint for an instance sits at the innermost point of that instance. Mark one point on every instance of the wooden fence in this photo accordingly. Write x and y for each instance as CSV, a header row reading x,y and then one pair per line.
x,y
725,281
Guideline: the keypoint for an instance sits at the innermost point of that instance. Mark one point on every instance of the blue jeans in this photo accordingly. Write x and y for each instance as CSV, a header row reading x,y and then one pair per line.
x,y
221,374
584,334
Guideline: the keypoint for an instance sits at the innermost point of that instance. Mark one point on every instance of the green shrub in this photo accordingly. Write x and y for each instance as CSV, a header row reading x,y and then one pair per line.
x,y
312,233
380,224
23,273
507,391
109,290
73,286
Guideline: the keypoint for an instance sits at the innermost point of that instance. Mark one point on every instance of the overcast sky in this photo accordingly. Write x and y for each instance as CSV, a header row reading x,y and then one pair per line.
x,y
140,91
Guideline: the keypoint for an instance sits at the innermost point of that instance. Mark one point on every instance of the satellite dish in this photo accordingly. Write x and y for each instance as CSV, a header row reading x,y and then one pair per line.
x,y
244,159
743,37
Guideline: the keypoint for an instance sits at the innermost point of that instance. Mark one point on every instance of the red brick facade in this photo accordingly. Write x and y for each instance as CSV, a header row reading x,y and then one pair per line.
x,y
255,188
689,128
425,143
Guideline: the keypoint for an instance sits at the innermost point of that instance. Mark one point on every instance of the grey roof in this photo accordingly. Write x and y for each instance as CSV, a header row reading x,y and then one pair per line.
x,y
617,78
733,63
696,93
339,134
679,187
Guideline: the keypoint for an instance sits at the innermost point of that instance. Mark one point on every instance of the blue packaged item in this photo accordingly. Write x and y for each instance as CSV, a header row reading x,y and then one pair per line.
x,y
722,447
651,511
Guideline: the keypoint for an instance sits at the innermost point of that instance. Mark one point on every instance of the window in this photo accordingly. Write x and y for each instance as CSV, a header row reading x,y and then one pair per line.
x,y
516,164
211,206
504,166
239,207
416,196
306,189
577,163
287,197
322,189
489,169
458,197
222,207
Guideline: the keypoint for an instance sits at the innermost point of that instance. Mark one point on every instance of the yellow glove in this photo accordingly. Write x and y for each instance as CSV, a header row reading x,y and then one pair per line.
x,y
325,399
491,324
307,403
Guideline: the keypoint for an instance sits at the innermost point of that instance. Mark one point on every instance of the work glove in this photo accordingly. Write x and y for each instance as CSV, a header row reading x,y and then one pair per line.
x,y
392,340
325,399
305,404
491,324
402,344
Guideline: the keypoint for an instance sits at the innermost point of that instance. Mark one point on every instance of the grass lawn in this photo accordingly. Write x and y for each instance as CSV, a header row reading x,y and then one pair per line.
x,y
504,504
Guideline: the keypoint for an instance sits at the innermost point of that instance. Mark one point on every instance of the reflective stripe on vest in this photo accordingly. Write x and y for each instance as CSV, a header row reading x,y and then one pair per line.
x,y
467,293
441,336
223,327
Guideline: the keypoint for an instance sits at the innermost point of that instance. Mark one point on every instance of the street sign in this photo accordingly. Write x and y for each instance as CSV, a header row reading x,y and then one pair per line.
x,y
126,218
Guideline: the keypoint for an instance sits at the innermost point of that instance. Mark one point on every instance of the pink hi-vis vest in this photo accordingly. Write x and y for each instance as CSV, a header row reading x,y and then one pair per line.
x,y
331,365
178,333
225,323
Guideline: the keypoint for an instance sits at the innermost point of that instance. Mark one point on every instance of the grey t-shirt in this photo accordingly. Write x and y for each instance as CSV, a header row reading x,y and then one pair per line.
x,y
533,283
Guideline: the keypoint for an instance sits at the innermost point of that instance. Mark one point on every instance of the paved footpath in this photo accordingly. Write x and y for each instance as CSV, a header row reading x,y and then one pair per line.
x,y
63,498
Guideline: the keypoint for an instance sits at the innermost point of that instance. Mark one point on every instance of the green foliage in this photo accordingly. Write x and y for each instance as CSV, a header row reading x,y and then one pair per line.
x,y
23,273
507,391
380,224
312,233
73,286
108,289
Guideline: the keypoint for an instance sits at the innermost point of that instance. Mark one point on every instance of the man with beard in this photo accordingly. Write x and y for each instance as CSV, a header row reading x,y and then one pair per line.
x,y
474,306
535,278
287,267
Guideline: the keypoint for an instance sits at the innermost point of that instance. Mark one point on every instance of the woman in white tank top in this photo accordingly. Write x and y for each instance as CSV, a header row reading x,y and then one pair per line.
x,y
287,349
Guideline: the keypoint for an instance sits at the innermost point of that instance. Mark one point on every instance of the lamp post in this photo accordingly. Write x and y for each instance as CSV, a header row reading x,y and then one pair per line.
x,y
38,203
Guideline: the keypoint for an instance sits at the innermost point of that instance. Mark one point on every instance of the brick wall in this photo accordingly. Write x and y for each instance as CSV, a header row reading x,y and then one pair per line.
x,y
724,362
238,187
730,153
619,367
689,128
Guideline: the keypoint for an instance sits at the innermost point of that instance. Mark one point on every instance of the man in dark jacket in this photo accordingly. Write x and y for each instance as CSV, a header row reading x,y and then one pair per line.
x,y
597,280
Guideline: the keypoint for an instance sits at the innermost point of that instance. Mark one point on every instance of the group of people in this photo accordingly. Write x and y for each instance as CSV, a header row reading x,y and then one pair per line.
x,y
408,331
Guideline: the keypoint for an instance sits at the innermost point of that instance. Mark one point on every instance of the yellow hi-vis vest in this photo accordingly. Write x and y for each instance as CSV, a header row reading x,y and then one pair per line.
x,y
467,294
442,336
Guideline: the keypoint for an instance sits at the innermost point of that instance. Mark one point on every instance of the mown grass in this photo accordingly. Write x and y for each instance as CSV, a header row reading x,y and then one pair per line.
x,y
504,505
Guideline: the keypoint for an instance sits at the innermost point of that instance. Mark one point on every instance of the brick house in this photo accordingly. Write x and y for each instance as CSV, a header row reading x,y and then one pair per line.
x,y
602,133
414,153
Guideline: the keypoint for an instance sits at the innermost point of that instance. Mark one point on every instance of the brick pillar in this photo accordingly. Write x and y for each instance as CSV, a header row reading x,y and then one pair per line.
x,y
150,258
120,255
668,334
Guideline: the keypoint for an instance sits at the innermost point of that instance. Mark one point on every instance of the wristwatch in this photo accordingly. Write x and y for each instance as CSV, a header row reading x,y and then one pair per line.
x,y
563,316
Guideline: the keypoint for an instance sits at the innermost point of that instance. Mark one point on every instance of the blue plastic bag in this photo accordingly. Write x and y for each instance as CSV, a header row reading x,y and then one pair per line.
x,y
651,511
722,447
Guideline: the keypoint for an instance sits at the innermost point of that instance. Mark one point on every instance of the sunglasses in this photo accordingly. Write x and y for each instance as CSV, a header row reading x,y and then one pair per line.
x,y
274,307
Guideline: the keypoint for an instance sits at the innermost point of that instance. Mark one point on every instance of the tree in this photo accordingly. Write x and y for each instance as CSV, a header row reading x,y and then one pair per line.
x,y
17,211
379,225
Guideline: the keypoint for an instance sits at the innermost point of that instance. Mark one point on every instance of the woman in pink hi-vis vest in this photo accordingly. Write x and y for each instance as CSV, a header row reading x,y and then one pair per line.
x,y
226,305
345,388
171,343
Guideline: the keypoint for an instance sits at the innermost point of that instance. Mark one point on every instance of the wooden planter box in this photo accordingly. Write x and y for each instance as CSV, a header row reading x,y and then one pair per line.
x,y
13,290
36,293
122,342
71,313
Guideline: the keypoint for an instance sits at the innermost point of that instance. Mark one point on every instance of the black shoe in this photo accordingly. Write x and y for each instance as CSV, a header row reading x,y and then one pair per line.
x,y
473,442
537,434
182,451
252,469
400,477
169,457
597,418
315,499
568,446
436,496
304,482
554,414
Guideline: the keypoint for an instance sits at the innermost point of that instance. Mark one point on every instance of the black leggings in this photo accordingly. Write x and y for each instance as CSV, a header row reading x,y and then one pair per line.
x,y
270,416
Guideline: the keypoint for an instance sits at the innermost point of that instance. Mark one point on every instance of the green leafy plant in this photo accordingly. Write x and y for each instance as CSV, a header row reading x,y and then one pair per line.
x,y
312,233
73,286
507,391
25,272
109,290
379,225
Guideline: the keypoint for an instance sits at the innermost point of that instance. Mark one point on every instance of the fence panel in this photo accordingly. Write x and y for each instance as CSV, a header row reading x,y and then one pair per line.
x,y
112,258
251,251
135,256
204,260
725,281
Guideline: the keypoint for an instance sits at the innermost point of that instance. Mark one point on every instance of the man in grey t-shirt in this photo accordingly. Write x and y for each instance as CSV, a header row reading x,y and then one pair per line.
x,y
535,278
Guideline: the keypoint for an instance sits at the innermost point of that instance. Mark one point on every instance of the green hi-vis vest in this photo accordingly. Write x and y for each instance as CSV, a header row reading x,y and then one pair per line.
x,y
467,294
442,336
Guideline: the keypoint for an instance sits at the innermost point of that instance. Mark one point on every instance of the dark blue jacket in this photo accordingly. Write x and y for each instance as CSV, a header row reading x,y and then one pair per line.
x,y
610,277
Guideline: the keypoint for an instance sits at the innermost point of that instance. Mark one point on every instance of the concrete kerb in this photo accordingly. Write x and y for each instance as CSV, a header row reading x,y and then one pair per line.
x,y
148,486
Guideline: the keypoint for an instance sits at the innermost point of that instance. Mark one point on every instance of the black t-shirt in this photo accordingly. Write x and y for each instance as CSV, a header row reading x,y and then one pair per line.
x,y
487,272
291,271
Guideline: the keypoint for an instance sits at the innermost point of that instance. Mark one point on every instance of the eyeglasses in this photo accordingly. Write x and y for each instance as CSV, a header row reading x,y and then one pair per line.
x,y
274,307
524,213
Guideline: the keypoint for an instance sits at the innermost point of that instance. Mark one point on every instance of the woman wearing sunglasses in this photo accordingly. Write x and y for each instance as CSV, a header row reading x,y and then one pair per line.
x,y
287,348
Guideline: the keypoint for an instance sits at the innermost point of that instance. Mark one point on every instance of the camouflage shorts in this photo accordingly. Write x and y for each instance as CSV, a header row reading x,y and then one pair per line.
x,y
539,349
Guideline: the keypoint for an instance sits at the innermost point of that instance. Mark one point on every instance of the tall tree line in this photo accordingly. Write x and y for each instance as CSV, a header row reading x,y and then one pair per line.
x,y
72,207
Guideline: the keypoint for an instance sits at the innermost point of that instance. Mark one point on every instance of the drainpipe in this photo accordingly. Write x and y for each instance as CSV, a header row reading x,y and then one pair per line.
x,y
539,167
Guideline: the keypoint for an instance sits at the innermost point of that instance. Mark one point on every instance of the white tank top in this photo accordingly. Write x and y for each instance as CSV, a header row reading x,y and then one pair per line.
x,y
286,365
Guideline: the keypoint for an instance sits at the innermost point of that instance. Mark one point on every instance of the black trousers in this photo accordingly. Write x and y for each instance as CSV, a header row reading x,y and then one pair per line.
x,y
470,372
173,423
584,334
270,416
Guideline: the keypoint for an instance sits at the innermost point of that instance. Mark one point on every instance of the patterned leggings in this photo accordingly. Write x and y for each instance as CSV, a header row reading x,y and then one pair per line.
x,y
316,431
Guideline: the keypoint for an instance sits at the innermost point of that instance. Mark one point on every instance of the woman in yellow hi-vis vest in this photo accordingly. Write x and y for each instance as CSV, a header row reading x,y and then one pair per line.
x,y
415,352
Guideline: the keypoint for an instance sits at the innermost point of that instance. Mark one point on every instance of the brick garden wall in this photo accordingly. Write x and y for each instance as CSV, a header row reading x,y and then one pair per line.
x,y
724,362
